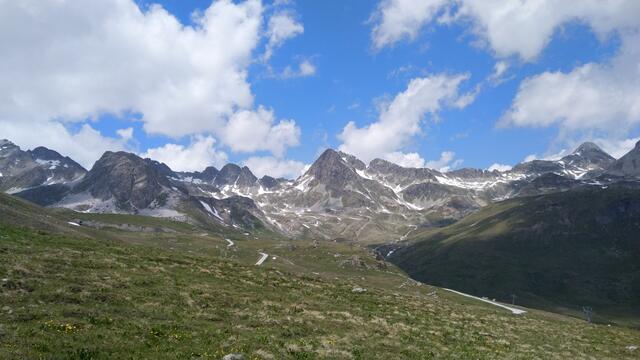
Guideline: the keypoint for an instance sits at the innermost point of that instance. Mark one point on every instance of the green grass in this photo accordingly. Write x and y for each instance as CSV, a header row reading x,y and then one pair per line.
x,y
556,252
112,294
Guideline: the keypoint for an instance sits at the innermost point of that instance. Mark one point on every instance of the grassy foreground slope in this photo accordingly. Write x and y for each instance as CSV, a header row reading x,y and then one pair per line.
x,y
558,252
81,293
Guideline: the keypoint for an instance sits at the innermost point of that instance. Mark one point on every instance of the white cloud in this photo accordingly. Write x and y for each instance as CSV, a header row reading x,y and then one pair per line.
x,y
402,19
282,27
84,146
69,61
500,167
592,96
305,68
250,131
521,28
400,119
499,69
78,59
275,167
200,154
446,162
595,97
550,155
125,134
617,147
409,160
524,28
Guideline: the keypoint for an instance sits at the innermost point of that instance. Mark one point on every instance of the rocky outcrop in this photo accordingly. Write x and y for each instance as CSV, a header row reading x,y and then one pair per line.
x,y
133,182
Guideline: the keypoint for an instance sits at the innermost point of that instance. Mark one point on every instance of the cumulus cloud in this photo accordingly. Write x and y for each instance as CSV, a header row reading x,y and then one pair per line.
x,y
70,61
499,69
524,28
521,28
395,20
617,148
305,68
409,160
84,146
598,98
500,167
275,167
125,134
250,131
446,162
592,96
75,60
282,27
198,155
400,119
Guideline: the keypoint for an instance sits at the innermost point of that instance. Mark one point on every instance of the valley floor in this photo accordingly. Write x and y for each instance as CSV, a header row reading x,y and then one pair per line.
x,y
173,296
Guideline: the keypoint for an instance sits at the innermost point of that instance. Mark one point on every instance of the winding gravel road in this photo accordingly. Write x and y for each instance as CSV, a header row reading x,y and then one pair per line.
x,y
263,258
513,310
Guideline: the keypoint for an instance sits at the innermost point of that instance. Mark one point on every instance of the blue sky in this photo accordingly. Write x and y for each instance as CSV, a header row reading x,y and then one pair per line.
x,y
360,58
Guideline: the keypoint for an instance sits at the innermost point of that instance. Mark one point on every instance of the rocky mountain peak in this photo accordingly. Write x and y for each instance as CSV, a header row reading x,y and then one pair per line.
x,y
332,169
383,166
7,147
232,174
246,177
590,157
7,143
22,170
53,157
587,147
131,181
628,165
352,161
209,173
228,175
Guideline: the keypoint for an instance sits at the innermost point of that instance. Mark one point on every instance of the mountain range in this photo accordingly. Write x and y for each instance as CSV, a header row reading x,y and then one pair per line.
x,y
558,234
338,197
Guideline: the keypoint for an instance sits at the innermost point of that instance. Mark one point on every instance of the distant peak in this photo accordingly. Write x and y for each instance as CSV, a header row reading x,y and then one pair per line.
x,y
231,166
4,142
44,153
587,146
329,153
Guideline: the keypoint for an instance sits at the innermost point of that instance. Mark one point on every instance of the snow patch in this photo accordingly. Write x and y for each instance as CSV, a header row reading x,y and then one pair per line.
x,y
52,164
211,210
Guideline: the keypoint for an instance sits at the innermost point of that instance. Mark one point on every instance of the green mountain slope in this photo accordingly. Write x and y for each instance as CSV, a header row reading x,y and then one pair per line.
x,y
170,291
558,252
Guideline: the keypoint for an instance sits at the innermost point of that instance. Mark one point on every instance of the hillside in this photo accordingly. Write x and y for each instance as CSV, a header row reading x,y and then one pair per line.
x,y
557,252
181,295
338,196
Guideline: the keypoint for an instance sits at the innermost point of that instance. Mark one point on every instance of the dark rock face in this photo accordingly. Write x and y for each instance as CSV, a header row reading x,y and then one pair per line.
x,y
28,169
628,165
132,181
332,171
590,154
234,175
206,176
236,210
246,178
227,175
270,183
538,167
209,174
45,195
